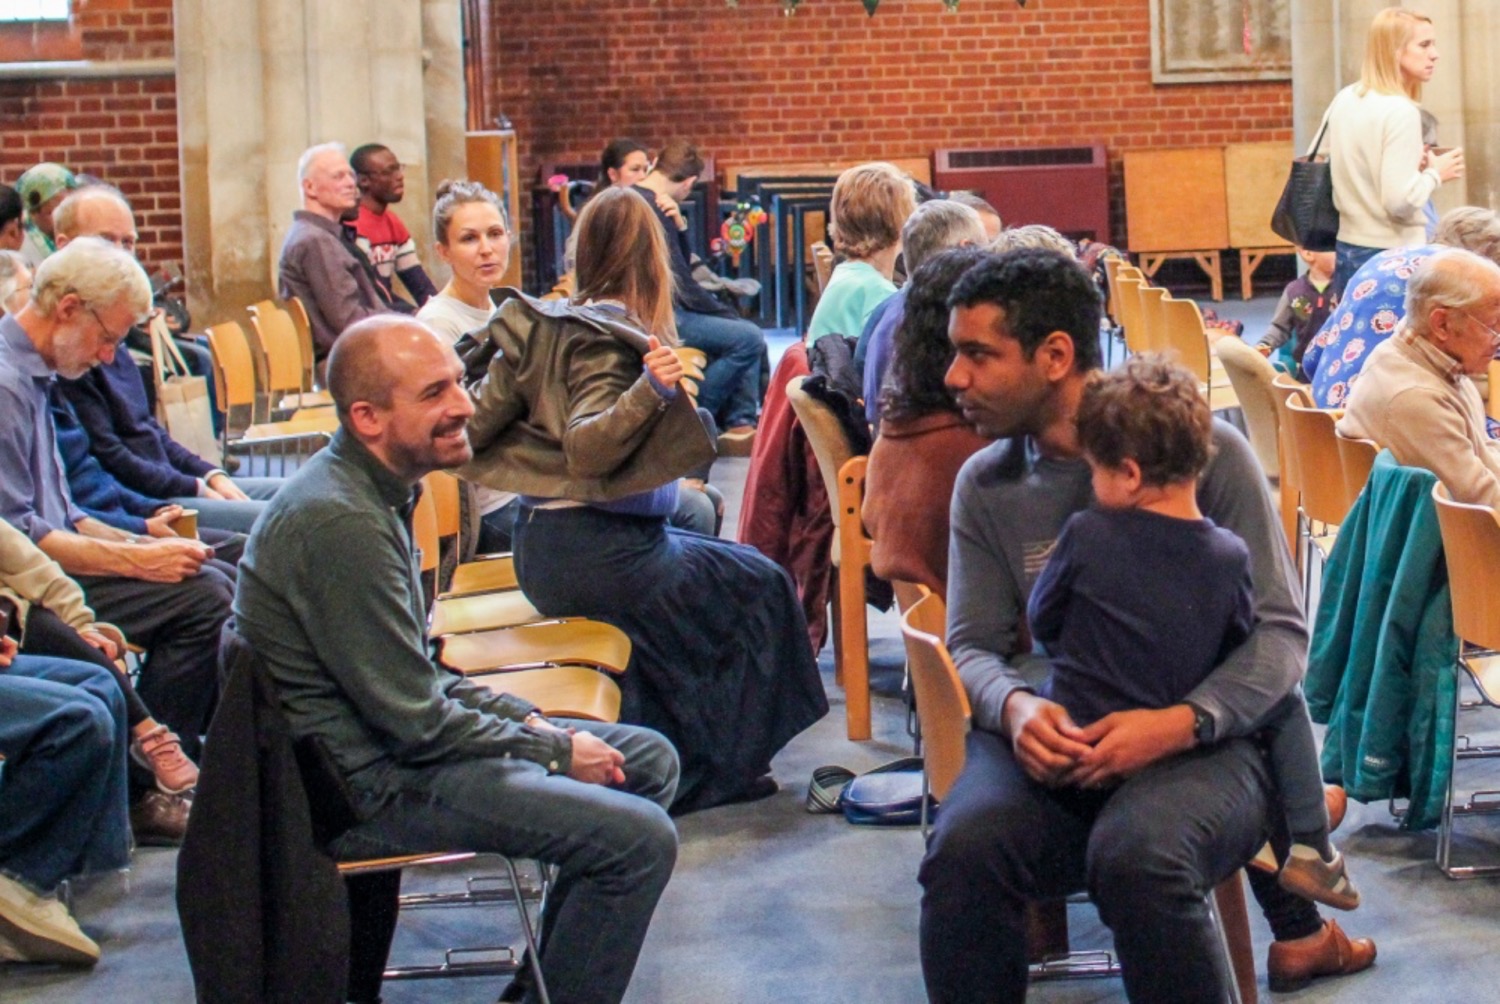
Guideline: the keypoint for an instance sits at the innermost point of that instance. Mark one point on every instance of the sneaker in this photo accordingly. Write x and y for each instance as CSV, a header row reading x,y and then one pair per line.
x,y
1307,874
160,752
39,929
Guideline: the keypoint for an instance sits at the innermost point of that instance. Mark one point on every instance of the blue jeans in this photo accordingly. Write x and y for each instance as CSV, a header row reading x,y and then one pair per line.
x,y
1348,259
62,793
237,517
731,383
1147,852
614,848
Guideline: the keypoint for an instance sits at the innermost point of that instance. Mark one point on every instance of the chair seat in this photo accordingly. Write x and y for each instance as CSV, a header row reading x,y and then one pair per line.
x,y
485,575
1484,670
306,399
481,612
546,643
564,691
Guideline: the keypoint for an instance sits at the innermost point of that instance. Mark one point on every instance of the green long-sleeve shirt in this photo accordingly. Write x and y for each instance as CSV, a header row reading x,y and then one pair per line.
x,y
330,597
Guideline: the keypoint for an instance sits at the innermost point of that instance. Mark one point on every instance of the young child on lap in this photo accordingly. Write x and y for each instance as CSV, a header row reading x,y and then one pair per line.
x,y
1142,596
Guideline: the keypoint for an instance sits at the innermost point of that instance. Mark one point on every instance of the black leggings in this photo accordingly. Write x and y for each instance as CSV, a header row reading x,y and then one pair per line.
x,y
48,634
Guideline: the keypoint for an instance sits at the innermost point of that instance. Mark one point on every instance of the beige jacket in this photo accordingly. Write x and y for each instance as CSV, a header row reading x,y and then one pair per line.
x,y
1413,398
27,576
564,408
1374,147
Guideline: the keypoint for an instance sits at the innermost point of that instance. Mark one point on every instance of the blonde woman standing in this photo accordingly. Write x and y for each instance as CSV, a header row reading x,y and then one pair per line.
x,y
1382,174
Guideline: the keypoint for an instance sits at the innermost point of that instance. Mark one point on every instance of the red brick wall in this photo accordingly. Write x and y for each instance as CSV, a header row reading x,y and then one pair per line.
x,y
830,83
123,130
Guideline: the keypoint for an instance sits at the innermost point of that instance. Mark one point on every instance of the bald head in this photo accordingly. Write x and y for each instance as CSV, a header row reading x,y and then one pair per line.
x,y
396,386
361,365
97,211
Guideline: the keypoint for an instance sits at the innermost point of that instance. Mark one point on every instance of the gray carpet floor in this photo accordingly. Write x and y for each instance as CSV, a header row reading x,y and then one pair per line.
x,y
771,904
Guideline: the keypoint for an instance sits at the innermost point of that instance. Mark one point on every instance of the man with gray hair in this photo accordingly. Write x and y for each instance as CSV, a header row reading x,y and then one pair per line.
x,y
937,225
320,264
1414,394
158,591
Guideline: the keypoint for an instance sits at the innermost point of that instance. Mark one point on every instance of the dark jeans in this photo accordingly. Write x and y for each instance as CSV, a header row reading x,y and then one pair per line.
x,y
614,848
731,381
1147,852
178,625
1348,259
62,804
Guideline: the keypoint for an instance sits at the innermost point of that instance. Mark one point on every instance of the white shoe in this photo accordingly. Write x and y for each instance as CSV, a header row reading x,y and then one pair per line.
x,y
39,929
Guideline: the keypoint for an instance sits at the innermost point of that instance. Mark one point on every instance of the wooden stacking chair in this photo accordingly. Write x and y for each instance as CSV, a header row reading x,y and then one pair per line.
x,y
1471,546
1251,375
235,381
283,367
1152,319
1183,335
1320,477
1284,390
943,708
485,573
851,639
500,634
298,313
1357,458
1132,322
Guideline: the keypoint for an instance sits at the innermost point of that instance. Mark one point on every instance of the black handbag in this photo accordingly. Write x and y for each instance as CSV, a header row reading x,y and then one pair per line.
x,y
1306,215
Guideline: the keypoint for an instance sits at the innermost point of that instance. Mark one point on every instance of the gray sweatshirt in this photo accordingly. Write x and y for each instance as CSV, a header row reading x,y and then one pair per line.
x,y
1009,506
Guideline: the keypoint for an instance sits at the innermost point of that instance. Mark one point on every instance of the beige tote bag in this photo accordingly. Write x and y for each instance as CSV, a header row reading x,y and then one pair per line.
x,y
182,404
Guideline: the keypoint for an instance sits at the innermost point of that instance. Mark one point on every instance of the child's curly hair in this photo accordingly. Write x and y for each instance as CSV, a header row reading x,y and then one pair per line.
x,y
1151,411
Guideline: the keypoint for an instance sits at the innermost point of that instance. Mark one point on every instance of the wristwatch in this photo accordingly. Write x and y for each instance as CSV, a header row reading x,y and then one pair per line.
x,y
1203,724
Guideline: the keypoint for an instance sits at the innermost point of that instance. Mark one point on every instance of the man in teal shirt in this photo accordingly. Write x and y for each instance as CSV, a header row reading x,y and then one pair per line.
x,y
330,597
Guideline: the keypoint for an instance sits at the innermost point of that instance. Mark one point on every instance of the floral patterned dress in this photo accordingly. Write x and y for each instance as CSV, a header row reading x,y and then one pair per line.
x,y
1373,304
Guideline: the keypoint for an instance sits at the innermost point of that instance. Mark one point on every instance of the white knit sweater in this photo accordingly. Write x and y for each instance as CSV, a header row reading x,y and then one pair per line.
x,y
1374,146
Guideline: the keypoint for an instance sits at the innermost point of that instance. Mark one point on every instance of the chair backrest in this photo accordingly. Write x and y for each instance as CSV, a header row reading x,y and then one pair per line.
x,y
424,526
826,436
1251,374
298,313
1112,286
1320,470
942,705
1130,312
1357,457
278,343
445,491
234,366
1471,545
1182,335
1152,317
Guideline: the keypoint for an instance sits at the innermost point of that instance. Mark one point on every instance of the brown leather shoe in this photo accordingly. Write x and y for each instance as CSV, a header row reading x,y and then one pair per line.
x,y
1337,801
159,820
1292,965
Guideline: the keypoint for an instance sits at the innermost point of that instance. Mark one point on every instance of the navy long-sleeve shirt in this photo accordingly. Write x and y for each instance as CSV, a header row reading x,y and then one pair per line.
x,y
94,490
1135,609
110,401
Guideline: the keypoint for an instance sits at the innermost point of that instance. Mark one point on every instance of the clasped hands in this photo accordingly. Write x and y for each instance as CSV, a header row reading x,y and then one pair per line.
x,y
1058,753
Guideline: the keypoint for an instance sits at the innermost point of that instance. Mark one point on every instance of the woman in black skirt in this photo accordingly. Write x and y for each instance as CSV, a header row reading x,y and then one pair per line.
x,y
580,411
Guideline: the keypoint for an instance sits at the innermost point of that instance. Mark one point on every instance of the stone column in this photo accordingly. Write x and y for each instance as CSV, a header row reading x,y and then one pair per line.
x,y
259,81
1478,44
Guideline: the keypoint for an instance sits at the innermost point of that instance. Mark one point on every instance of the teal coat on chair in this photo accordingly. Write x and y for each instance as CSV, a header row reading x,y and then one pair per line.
x,y
1380,669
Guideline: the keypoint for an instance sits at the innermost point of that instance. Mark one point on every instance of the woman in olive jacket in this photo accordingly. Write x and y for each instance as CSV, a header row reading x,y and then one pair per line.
x,y
581,411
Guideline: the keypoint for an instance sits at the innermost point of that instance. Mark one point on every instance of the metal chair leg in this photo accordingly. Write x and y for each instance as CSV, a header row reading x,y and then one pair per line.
x,y
1218,922
532,951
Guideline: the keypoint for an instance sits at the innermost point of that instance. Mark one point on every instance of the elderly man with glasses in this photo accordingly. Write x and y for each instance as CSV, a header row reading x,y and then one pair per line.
x,y
1415,395
161,592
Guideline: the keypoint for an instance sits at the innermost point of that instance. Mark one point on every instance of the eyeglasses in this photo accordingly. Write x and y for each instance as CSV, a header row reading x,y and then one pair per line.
x,y
113,339
1494,335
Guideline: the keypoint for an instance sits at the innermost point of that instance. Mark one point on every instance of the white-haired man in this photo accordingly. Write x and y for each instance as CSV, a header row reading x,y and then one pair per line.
x,y
1414,395
320,263
158,591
